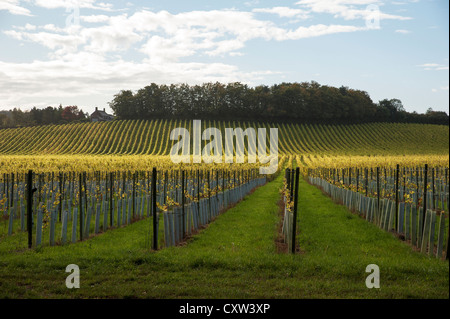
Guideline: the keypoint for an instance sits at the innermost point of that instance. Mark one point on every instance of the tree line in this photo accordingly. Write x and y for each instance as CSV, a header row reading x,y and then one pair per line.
x,y
306,102
48,115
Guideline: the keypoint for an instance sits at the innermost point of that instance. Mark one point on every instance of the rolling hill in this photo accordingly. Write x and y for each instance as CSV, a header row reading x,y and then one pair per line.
x,y
151,137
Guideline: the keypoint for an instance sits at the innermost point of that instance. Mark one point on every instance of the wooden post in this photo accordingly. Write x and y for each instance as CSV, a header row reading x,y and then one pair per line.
x,y
291,185
182,203
198,189
60,194
166,181
11,202
371,175
433,189
111,199
223,188
396,195
80,206
424,199
448,235
7,189
349,177
417,188
154,213
367,181
217,183
85,193
404,184
39,186
123,182
378,190
294,226
446,179
209,194
30,191
357,180
133,195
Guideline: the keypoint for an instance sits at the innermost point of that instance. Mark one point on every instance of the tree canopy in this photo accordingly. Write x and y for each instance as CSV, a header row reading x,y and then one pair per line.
x,y
306,102
35,116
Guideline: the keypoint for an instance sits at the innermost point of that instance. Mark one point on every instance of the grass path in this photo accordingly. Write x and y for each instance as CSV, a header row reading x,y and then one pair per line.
x,y
341,245
235,257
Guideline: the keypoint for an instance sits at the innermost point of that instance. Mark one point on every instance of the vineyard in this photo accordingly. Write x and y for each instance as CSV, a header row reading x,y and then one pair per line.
x,y
77,205
143,137
109,190
411,202
143,145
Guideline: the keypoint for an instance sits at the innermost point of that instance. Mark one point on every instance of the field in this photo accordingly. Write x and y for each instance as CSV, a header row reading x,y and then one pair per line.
x,y
145,137
239,251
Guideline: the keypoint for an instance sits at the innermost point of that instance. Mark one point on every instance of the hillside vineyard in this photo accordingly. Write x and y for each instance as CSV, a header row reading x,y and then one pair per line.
x,y
152,137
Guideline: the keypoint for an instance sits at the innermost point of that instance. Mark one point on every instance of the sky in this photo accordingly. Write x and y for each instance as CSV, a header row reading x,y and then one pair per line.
x,y
82,52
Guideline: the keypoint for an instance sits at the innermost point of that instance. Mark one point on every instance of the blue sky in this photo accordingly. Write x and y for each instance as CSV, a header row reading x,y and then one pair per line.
x,y
82,52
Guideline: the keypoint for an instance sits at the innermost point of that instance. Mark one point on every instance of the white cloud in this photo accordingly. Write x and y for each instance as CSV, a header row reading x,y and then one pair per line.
x,y
251,3
347,9
90,74
442,88
13,7
118,35
319,30
14,34
80,62
61,43
169,37
51,27
69,4
284,12
86,59
95,18
30,27
433,67
402,31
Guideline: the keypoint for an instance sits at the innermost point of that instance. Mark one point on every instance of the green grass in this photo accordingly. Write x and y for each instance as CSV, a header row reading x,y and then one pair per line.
x,y
235,257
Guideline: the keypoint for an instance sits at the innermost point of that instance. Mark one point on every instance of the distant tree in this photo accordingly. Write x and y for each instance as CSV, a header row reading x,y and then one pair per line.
x,y
20,118
4,120
125,106
436,117
393,107
260,101
36,115
50,115
72,113
294,102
